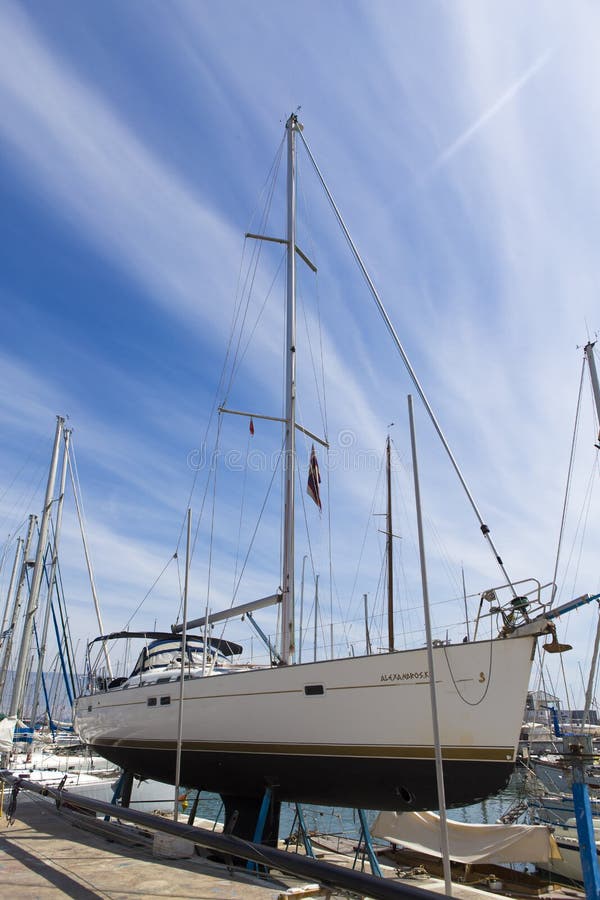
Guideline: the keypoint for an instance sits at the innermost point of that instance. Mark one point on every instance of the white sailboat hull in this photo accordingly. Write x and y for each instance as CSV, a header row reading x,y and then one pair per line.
x,y
350,732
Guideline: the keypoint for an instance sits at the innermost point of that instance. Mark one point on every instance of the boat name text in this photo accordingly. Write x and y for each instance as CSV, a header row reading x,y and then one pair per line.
x,y
404,676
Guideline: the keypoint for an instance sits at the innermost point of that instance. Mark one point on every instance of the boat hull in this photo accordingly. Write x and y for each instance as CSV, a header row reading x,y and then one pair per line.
x,y
351,732
406,784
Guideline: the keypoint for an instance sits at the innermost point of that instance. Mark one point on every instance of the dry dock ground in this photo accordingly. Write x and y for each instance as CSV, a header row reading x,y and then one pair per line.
x,y
45,855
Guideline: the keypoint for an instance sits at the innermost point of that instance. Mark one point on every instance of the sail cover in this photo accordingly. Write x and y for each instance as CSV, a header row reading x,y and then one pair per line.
x,y
420,831
7,730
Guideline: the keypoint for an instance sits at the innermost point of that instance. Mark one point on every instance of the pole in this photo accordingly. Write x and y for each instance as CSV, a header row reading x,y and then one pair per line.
x,y
592,676
465,600
439,771
11,585
390,557
16,706
589,355
88,563
287,612
316,616
304,558
585,832
367,634
183,662
17,605
51,580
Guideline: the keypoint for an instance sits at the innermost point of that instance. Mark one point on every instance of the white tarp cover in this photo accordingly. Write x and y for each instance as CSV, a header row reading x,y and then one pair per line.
x,y
7,730
420,831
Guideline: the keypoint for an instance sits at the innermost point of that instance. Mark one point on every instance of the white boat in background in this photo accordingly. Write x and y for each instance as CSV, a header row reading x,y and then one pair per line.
x,y
567,840
354,732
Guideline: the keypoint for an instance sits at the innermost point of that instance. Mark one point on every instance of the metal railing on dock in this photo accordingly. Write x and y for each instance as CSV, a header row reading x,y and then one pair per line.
x,y
230,846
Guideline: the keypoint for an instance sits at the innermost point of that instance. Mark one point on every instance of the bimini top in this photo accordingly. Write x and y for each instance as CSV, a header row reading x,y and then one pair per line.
x,y
195,643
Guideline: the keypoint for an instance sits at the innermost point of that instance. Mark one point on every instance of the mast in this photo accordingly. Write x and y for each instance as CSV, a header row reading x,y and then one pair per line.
x,y
9,594
52,578
16,605
390,552
16,703
287,585
589,355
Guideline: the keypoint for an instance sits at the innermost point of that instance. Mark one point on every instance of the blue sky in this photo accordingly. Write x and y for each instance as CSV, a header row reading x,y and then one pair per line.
x,y
460,141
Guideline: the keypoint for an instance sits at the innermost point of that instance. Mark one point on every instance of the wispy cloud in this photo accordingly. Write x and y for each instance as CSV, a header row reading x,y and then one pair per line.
x,y
493,109
109,186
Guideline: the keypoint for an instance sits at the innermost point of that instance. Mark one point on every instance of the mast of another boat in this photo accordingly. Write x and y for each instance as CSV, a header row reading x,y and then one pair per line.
x,y
51,579
390,557
8,645
18,695
591,361
287,584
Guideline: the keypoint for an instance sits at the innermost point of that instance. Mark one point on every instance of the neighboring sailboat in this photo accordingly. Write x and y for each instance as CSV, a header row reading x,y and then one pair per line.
x,y
354,732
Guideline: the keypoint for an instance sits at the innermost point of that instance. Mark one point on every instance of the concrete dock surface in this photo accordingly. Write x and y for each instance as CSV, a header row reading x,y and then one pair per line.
x,y
49,853
46,854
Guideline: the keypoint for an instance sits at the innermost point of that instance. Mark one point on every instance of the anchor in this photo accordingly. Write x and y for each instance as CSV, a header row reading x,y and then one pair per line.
x,y
554,646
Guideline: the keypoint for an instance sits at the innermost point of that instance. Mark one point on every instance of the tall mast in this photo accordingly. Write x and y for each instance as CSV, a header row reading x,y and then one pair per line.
x,y
390,552
589,355
7,648
52,578
16,704
287,612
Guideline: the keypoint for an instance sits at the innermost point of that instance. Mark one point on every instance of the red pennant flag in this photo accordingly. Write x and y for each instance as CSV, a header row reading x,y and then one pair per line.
x,y
314,478
251,426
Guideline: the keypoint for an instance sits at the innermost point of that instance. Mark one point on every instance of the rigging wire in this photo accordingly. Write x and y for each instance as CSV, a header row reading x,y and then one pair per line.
x,y
568,483
396,340
224,367
149,591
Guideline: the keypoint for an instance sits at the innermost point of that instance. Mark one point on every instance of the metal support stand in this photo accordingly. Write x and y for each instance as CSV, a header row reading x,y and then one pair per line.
x,y
194,808
585,832
367,846
302,833
308,847
117,792
123,789
260,826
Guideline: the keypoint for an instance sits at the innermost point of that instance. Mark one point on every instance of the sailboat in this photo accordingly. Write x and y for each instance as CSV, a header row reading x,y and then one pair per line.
x,y
352,732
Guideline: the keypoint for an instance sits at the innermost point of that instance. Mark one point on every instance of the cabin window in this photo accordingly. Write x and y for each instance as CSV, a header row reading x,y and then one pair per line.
x,y
163,680
313,690
151,701
164,701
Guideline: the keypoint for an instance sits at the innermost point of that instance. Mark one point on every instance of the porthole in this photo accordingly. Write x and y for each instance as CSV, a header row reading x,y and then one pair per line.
x,y
314,690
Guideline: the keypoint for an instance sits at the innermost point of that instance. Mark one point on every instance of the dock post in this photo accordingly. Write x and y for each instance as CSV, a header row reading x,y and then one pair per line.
x,y
585,833
580,754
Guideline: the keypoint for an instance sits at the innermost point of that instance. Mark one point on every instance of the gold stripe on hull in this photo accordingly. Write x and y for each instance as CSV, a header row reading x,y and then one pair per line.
x,y
479,754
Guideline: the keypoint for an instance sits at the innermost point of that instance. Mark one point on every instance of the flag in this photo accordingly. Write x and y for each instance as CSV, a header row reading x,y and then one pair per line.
x,y
251,426
314,478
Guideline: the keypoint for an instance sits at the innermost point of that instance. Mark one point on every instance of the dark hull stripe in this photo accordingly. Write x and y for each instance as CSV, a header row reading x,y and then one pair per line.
x,y
350,781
